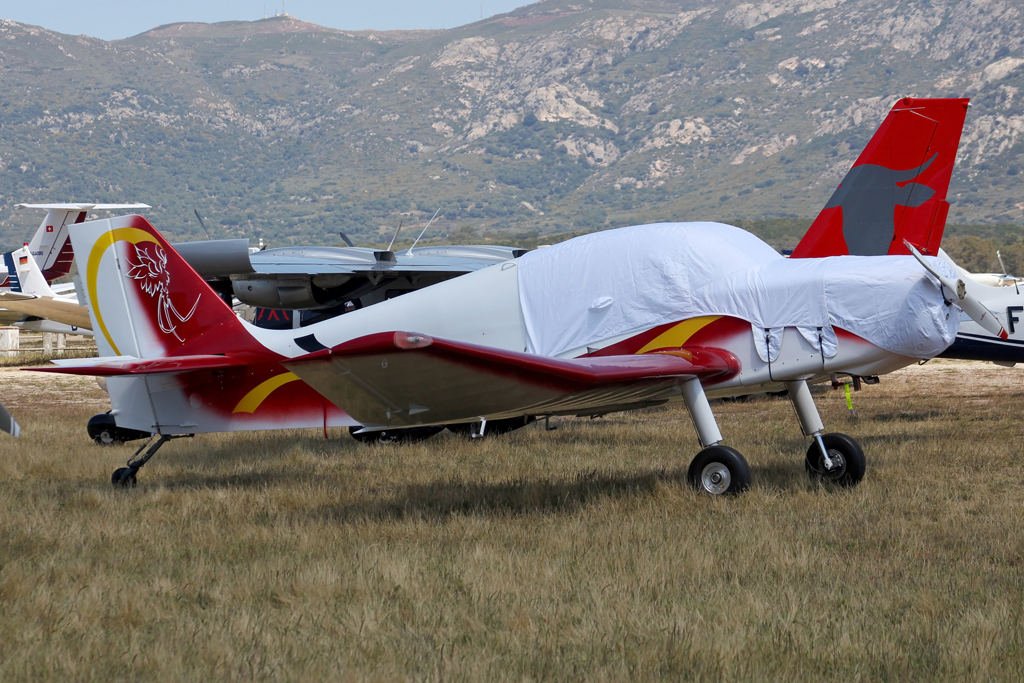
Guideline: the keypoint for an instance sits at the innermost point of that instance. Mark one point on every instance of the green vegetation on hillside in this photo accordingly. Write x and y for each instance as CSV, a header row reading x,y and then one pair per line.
x,y
558,117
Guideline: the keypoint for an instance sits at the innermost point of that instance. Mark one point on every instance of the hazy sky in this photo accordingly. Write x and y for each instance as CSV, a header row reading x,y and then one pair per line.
x,y
113,19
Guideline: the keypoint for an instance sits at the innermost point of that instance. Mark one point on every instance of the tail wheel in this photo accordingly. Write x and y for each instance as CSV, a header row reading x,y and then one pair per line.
x,y
719,471
123,476
848,461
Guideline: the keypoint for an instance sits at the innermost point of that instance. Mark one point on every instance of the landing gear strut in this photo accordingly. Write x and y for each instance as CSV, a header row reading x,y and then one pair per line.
x,y
126,476
717,470
836,458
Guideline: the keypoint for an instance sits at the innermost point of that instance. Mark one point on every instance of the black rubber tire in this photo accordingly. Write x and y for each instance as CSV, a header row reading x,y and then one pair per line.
x,y
719,460
401,435
851,468
123,476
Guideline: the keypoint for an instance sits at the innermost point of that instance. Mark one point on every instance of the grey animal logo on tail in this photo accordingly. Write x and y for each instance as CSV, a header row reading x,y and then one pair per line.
x,y
868,197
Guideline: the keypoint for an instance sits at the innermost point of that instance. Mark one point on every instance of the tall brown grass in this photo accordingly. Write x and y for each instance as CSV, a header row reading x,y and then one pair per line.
x,y
575,554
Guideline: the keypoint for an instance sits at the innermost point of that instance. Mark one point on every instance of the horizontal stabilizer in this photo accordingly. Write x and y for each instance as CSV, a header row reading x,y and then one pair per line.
x,y
114,366
403,378
84,207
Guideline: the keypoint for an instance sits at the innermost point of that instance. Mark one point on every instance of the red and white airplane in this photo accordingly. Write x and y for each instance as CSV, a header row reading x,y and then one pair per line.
x,y
611,321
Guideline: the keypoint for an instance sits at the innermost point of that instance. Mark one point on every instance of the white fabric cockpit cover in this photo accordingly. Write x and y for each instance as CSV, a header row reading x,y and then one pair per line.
x,y
619,282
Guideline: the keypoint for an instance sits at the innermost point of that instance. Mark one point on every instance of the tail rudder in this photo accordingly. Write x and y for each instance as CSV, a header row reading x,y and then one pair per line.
x,y
897,188
12,280
145,300
24,274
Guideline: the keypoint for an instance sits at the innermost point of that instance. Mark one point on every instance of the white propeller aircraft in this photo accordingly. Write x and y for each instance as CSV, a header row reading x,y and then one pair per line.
x,y
610,321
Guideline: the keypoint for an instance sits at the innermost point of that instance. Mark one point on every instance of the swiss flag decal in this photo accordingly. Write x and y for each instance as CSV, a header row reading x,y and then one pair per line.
x,y
49,228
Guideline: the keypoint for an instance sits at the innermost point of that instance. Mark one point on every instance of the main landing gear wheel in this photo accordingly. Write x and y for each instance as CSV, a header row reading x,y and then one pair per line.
x,y
848,461
719,471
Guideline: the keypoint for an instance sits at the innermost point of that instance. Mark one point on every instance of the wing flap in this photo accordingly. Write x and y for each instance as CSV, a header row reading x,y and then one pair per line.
x,y
401,378
116,366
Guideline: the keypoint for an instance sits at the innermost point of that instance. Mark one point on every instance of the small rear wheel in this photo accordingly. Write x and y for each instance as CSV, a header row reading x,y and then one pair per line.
x,y
123,476
848,461
719,471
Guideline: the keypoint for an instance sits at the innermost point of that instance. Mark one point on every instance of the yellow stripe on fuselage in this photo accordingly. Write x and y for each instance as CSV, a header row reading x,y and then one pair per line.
x,y
251,401
677,335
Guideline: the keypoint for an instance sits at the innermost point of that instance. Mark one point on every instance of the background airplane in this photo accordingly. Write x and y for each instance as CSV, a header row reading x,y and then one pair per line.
x,y
50,245
31,295
1006,303
327,280
51,248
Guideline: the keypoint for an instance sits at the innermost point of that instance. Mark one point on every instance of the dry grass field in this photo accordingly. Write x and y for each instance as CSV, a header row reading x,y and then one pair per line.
x,y
576,554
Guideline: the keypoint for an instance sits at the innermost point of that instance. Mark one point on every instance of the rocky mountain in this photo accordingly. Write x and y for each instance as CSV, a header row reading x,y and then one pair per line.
x,y
564,116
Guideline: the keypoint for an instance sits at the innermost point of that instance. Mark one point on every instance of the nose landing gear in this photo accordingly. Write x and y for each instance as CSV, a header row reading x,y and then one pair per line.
x,y
835,458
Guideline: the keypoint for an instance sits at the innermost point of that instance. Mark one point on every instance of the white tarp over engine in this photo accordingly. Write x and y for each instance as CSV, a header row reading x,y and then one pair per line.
x,y
622,282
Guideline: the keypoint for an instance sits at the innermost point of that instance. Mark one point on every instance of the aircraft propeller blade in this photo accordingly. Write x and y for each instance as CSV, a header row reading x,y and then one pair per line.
x,y
964,299
8,423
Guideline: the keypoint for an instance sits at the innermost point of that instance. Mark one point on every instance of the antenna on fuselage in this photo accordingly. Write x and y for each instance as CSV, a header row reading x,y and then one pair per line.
x,y
396,235
409,253
346,239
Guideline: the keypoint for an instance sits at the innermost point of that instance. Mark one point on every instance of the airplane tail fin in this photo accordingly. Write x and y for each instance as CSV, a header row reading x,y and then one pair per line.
x,y
24,275
897,188
51,244
145,300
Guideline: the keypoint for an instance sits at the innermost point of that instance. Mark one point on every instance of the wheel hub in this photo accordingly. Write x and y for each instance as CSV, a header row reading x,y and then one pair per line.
x,y
838,464
716,478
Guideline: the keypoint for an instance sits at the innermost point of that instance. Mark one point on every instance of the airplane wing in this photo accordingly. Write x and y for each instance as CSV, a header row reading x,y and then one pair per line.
x,y
58,310
405,379
358,261
231,258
